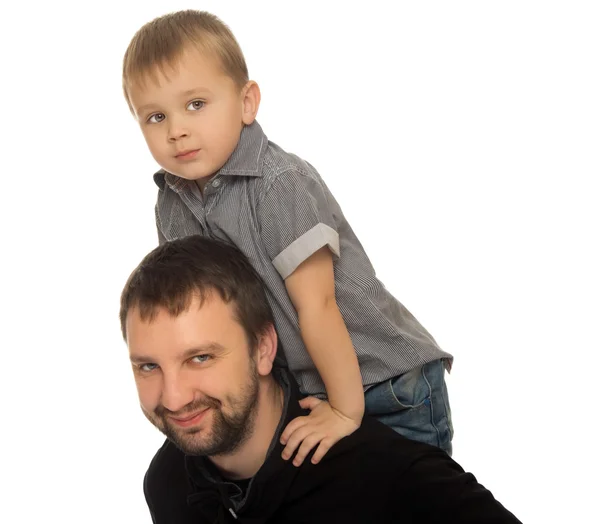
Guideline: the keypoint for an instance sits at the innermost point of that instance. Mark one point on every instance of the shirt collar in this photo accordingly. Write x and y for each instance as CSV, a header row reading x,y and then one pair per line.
x,y
246,159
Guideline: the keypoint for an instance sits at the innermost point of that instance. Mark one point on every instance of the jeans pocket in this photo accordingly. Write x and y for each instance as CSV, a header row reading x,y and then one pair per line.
x,y
415,405
411,389
404,392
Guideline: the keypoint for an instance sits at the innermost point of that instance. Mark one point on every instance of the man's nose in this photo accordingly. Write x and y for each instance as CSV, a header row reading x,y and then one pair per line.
x,y
176,392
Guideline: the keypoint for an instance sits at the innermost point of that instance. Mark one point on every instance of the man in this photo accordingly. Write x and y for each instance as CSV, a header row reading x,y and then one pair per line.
x,y
203,348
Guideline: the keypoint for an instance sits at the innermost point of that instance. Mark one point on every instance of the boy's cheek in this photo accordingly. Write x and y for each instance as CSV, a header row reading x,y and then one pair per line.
x,y
153,143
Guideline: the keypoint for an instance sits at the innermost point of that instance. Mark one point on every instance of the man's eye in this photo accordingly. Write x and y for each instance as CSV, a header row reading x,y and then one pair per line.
x,y
147,367
156,118
199,359
195,105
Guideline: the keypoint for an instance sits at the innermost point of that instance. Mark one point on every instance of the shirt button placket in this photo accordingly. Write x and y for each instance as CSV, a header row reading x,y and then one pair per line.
x,y
197,205
214,184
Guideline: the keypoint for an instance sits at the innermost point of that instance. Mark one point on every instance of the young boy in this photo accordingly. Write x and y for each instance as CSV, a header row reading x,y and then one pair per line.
x,y
345,337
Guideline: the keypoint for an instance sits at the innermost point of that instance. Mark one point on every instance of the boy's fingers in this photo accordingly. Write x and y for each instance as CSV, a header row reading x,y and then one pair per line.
x,y
322,450
294,441
307,445
310,403
294,425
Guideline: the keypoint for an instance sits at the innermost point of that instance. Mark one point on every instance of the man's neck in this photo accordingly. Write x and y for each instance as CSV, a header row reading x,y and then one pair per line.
x,y
249,458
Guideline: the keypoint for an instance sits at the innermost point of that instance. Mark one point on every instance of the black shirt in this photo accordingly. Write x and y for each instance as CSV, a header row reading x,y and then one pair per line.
x,y
372,476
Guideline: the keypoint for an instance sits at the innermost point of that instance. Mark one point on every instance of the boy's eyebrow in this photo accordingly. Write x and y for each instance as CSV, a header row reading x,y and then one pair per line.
x,y
144,108
209,347
196,90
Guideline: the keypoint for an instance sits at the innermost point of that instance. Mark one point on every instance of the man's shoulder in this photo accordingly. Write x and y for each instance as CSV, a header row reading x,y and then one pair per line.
x,y
167,487
358,479
381,448
166,468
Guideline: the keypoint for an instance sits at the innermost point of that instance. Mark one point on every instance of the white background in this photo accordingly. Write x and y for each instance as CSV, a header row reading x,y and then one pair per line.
x,y
460,138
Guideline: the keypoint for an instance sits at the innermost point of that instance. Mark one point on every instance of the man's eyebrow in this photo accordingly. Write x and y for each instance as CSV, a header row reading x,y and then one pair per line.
x,y
209,347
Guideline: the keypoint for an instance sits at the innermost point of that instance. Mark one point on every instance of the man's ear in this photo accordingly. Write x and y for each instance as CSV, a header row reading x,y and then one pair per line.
x,y
250,102
266,351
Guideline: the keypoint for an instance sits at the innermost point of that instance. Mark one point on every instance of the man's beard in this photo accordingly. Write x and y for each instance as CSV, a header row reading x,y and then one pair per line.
x,y
228,431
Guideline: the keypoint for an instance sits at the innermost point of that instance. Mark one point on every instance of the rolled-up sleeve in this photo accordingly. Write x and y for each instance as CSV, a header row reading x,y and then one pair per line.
x,y
296,221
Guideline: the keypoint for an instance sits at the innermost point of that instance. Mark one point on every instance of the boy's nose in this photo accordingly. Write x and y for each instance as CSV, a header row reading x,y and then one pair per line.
x,y
177,134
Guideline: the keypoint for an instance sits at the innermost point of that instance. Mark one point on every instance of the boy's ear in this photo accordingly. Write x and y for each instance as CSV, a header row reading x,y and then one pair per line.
x,y
250,102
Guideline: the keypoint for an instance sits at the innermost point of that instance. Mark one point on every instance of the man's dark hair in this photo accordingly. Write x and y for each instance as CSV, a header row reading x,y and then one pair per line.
x,y
175,272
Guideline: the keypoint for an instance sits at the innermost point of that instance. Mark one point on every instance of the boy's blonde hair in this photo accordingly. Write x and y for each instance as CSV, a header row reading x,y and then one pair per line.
x,y
162,41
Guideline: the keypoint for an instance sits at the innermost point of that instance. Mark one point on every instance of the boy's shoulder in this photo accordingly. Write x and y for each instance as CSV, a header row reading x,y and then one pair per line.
x,y
278,163
256,155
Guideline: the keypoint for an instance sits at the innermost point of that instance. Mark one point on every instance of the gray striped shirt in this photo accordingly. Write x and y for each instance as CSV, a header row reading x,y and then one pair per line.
x,y
276,208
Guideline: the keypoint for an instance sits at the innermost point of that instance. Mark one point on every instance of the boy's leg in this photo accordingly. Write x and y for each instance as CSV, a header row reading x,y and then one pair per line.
x,y
415,405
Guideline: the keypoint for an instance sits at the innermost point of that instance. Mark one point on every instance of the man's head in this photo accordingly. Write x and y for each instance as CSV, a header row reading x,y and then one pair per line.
x,y
202,343
186,82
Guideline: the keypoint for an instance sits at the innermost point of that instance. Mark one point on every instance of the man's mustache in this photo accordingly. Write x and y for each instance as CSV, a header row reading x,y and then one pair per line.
x,y
192,407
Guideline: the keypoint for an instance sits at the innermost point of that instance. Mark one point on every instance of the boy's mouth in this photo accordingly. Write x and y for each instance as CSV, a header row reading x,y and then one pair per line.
x,y
187,154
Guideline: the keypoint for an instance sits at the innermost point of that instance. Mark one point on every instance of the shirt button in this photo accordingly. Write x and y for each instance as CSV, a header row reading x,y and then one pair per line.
x,y
216,183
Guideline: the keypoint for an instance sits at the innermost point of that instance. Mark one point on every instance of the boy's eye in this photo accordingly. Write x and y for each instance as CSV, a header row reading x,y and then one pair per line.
x,y
195,105
147,367
200,358
156,118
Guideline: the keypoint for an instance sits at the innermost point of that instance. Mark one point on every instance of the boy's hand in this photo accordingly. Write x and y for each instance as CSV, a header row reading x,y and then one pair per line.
x,y
324,425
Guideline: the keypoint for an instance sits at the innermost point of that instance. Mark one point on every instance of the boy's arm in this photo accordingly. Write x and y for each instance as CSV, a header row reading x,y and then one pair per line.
x,y
312,291
298,221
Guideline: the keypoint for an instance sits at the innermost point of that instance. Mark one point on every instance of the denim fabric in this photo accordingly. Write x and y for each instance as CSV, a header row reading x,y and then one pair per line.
x,y
415,405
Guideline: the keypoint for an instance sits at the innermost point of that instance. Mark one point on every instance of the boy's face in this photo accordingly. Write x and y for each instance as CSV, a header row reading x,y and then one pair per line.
x,y
192,117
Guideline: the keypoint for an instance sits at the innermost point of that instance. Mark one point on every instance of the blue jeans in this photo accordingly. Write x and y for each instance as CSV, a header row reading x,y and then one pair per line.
x,y
415,405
